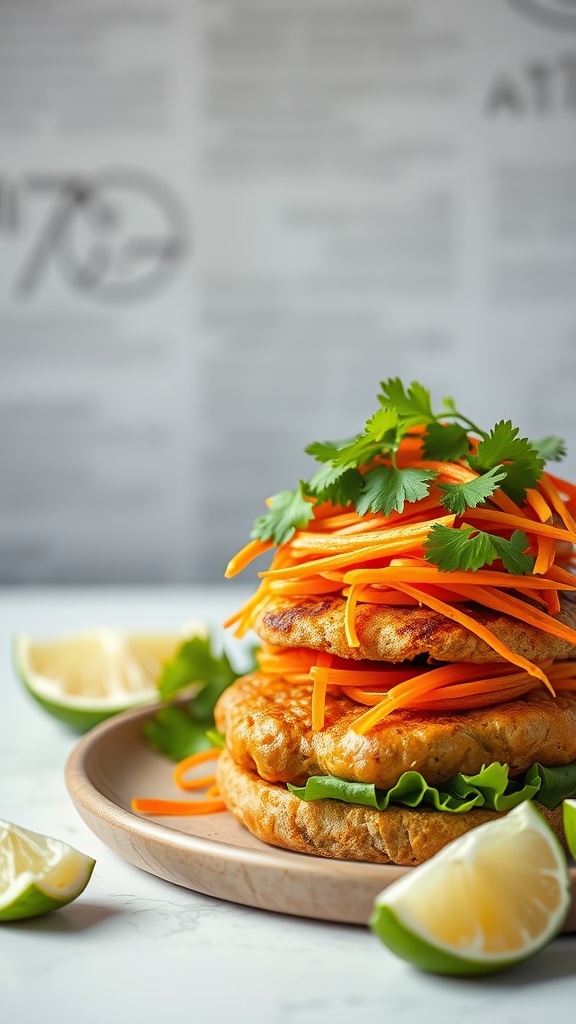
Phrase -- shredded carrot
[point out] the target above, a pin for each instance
(192, 761)
(349, 616)
(392, 575)
(392, 541)
(541, 507)
(159, 807)
(504, 519)
(319, 690)
(210, 805)
(248, 553)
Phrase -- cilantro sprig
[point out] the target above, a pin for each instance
(364, 472)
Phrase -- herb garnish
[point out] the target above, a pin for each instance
(363, 472)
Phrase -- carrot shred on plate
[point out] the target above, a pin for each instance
(158, 807)
(211, 804)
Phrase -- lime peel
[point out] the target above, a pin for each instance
(38, 873)
(569, 821)
(490, 899)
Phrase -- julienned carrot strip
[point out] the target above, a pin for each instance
(472, 695)
(505, 503)
(559, 575)
(500, 687)
(370, 679)
(310, 586)
(566, 487)
(538, 502)
(497, 645)
(551, 492)
(545, 552)
(242, 617)
(377, 594)
(350, 616)
(346, 521)
(192, 761)
(503, 520)
(392, 575)
(449, 471)
(210, 805)
(159, 807)
(319, 692)
(434, 687)
(297, 657)
(396, 540)
(519, 609)
(246, 555)
(388, 538)
(552, 602)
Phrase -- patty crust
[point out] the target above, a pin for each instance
(268, 729)
(402, 633)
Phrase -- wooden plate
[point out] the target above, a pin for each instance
(211, 854)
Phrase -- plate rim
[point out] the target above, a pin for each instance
(107, 819)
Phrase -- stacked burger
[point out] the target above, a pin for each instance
(417, 623)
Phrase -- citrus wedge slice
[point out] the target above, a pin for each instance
(488, 900)
(38, 873)
(569, 821)
(86, 677)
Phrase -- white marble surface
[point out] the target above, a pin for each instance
(136, 948)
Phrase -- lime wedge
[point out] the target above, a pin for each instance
(84, 678)
(569, 819)
(488, 900)
(38, 873)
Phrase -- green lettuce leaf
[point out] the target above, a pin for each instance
(490, 788)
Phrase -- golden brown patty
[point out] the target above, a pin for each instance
(330, 828)
(403, 633)
(268, 730)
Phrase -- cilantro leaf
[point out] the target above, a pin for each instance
(502, 444)
(195, 662)
(336, 484)
(289, 511)
(459, 497)
(325, 451)
(452, 548)
(521, 460)
(519, 476)
(512, 553)
(363, 472)
(447, 442)
(551, 449)
(413, 404)
(466, 548)
(180, 729)
(176, 732)
(386, 489)
(364, 447)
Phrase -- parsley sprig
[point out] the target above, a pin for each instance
(362, 472)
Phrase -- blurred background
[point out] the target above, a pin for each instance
(224, 222)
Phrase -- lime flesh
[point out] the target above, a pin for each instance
(86, 677)
(38, 873)
(490, 899)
